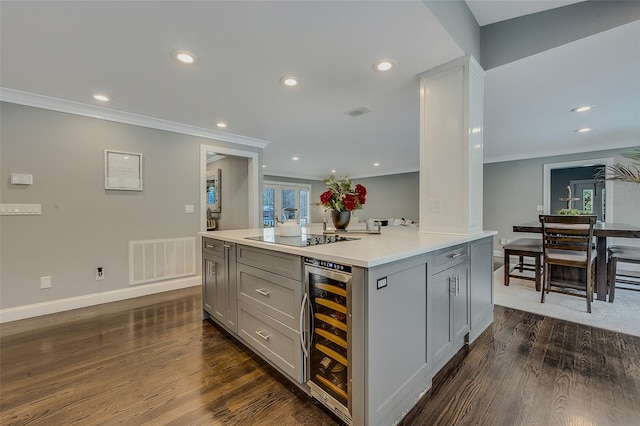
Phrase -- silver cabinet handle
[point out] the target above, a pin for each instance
(458, 285)
(227, 246)
(263, 291)
(264, 335)
(303, 339)
(454, 255)
(452, 284)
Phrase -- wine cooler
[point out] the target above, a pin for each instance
(328, 340)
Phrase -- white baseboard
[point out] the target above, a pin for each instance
(45, 308)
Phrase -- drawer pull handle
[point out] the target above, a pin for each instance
(453, 256)
(263, 291)
(262, 334)
(209, 246)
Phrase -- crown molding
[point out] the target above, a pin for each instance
(70, 107)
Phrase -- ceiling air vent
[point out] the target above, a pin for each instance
(358, 111)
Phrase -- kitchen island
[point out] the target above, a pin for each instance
(404, 304)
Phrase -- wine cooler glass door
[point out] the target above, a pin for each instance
(330, 350)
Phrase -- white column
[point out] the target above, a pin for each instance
(451, 102)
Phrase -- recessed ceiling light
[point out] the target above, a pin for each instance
(295, 158)
(221, 125)
(333, 171)
(184, 56)
(289, 81)
(101, 98)
(376, 164)
(384, 65)
(264, 165)
(581, 108)
(583, 130)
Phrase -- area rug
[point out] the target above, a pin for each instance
(623, 315)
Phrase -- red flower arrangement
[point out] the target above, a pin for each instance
(341, 196)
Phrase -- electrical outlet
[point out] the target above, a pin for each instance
(45, 282)
(99, 273)
(503, 241)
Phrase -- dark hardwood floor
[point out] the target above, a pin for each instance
(153, 361)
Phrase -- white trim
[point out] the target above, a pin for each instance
(253, 177)
(54, 306)
(608, 186)
(498, 253)
(61, 105)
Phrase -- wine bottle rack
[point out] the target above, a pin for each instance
(331, 339)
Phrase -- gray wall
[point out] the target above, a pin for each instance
(513, 189)
(82, 225)
(517, 38)
(235, 193)
(387, 196)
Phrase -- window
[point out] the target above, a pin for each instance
(587, 201)
(276, 196)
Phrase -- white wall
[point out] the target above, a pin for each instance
(82, 225)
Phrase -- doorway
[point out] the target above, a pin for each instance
(587, 194)
(253, 178)
(280, 195)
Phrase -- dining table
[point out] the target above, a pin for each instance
(602, 231)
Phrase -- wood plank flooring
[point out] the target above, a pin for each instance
(152, 360)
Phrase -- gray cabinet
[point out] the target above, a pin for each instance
(449, 291)
(219, 282)
(398, 366)
(481, 291)
(269, 294)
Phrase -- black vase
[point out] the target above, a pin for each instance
(340, 219)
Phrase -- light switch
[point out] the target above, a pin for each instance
(21, 179)
(189, 208)
(434, 205)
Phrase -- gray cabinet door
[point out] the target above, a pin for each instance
(231, 298)
(481, 296)
(460, 314)
(219, 282)
(449, 293)
(441, 307)
(213, 274)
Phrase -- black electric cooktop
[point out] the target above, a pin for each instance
(303, 240)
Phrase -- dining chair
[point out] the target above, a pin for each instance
(528, 250)
(621, 254)
(567, 241)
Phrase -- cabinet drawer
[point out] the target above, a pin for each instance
(450, 256)
(276, 296)
(275, 341)
(215, 247)
(284, 264)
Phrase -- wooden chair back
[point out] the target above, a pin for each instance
(567, 241)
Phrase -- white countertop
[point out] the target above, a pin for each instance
(394, 243)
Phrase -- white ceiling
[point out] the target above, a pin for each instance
(71, 50)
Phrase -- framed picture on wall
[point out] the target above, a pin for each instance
(122, 171)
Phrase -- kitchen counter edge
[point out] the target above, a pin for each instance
(367, 252)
